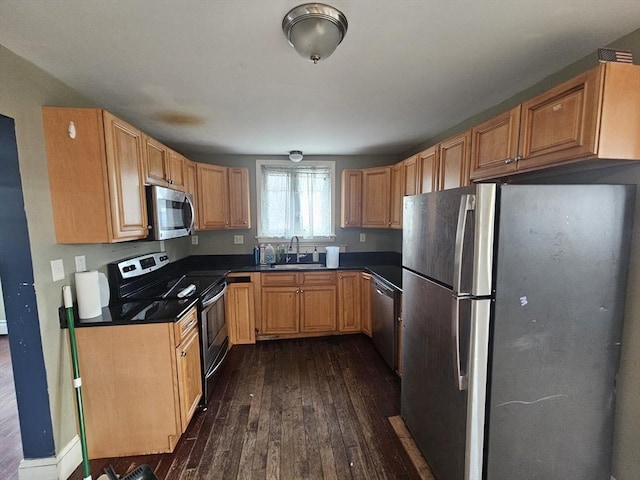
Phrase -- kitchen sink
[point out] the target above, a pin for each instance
(297, 266)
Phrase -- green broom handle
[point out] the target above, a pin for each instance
(77, 381)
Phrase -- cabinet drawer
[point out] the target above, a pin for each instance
(280, 278)
(317, 278)
(187, 323)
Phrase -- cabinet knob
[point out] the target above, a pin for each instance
(183, 354)
(301, 291)
(508, 161)
(518, 158)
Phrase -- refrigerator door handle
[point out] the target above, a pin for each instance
(460, 377)
(467, 204)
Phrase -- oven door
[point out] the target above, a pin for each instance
(215, 343)
(171, 213)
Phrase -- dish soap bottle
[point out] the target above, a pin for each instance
(269, 255)
(316, 255)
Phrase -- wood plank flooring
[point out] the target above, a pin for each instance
(290, 409)
(10, 440)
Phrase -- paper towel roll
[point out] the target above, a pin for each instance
(88, 294)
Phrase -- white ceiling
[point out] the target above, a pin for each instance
(406, 70)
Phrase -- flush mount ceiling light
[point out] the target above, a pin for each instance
(314, 30)
(295, 156)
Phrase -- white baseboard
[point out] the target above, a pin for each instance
(59, 467)
(3, 327)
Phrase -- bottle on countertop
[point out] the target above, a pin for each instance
(269, 255)
(262, 254)
(316, 255)
(256, 255)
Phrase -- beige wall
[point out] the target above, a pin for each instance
(221, 242)
(24, 88)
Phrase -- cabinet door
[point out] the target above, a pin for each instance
(213, 197)
(365, 290)
(494, 145)
(123, 145)
(318, 308)
(561, 123)
(428, 170)
(189, 376)
(239, 214)
(240, 313)
(376, 192)
(351, 208)
(280, 307)
(176, 175)
(191, 186)
(155, 162)
(349, 301)
(454, 161)
(397, 193)
(410, 173)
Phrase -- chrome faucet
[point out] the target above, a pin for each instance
(298, 256)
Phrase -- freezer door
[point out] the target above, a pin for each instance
(561, 270)
(432, 404)
(448, 237)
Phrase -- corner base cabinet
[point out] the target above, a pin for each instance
(141, 385)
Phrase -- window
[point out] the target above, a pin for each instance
(295, 199)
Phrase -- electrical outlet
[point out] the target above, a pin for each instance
(238, 239)
(194, 239)
(57, 270)
(363, 237)
(81, 263)
(162, 245)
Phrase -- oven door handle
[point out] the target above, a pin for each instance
(216, 298)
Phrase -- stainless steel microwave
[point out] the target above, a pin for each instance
(171, 213)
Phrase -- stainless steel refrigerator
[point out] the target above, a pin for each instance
(512, 307)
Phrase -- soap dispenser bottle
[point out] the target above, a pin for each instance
(316, 255)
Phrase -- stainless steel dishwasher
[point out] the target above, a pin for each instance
(383, 318)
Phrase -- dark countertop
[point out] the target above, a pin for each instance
(383, 265)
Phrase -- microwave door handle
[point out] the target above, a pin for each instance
(467, 204)
(192, 213)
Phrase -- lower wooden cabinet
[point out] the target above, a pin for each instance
(365, 288)
(298, 303)
(349, 301)
(140, 384)
(240, 311)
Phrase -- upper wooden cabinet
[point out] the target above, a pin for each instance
(223, 197)
(396, 195)
(96, 176)
(239, 212)
(411, 174)
(351, 205)
(594, 115)
(454, 158)
(428, 170)
(162, 165)
(494, 145)
(376, 194)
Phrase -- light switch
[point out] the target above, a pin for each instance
(238, 239)
(81, 263)
(194, 239)
(57, 270)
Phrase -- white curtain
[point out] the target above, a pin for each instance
(296, 200)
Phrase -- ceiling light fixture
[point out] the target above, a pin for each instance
(295, 156)
(314, 30)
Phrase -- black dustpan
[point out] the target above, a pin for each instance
(143, 472)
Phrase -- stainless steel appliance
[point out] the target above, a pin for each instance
(383, 321)
(513, 298)
(171, 213)
(149, 288)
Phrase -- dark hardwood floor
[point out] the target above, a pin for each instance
(290, 409)
(10, 440)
